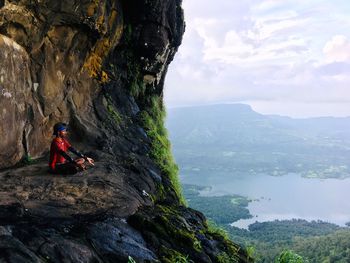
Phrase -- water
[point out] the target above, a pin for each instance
(285, 197)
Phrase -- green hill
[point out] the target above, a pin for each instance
(234, 138)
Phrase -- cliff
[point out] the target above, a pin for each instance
(98, 65)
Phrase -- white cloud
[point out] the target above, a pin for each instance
(261, 41)
(269, 28)
(269, 51)
(337, 49)
(267, 5)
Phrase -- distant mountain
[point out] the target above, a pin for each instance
(234, 138)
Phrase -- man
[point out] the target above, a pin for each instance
(60, 161)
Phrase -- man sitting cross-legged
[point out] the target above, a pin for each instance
(60, 161)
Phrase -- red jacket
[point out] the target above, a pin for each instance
(58, 145)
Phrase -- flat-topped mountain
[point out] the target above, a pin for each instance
(234, 138)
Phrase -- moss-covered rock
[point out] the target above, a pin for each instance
(100, 66)
(177, 232)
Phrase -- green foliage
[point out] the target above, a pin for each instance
(315, 241)
(153, 122)
(152, 115)
(270, 238)
(131, 260)
(197, 245)
(224, 258)
(213, 228)
(182, 259)
(128, 33)
(135, 77)
(28, 160)
(220, 209)
(113, 113)
(173, 256)
(134, 72)
(334, 247)
(137, 88)
(218, 232)
(289, 257)
(285, 230)
(251, 252)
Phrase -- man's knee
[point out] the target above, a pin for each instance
(80, 160)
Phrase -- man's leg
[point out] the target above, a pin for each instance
(80, 163)
(66, 168)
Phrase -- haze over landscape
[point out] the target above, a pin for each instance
(259, 119)
(261, 175)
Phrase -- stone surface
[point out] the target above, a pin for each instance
(15, 91)
(98, 65)
(102, 189)
(59, 58)
(116, 241)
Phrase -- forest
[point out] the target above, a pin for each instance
(314, 242)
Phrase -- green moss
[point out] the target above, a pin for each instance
(225, 258)
(173, 256)
(169, 225)
(131, 260)
(127, 34)
(28, 160)
(197, 245)
(113, 113)
(251, 252)
(187, 238)
(137, 88)
(214, 229)
(231, 250)
(161, 193)
(153, 122)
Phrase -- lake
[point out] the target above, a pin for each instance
(284, 197)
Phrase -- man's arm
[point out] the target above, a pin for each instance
(66, 156)
(76, 152)
(89, 160)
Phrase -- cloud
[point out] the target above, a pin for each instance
(335, 68)
(263, 38)
(337, 49)
(267, 5)
(274, 52)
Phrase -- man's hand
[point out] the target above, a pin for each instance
(90, 160)
(80, 164)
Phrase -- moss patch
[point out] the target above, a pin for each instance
(153, 122)
(114, 115)
(169, 233)
(111, 30)
(173, 256)
(225, 258)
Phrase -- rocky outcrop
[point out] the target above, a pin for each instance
(98, 65)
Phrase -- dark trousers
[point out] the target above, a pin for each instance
(65, 168)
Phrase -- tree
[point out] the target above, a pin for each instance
(290, 257)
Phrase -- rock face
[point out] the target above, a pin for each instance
(98, 65)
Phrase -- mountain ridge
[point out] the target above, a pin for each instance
(239, 139)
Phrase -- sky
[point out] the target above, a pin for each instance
(286, 57)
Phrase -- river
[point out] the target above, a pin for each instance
(284, 197)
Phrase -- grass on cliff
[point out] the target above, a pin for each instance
(152, 115)
(153, 122)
